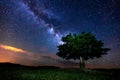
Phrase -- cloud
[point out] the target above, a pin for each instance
(10, 48)
(16, 55)
(12, 54)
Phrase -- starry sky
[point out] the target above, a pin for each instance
(30, 30)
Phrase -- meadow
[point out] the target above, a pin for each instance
(24, 73)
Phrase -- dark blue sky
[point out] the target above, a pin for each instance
(38, 25)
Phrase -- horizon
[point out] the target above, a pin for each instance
(62, 67)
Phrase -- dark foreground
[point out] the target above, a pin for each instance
(41, 73)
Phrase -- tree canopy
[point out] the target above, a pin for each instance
(83, 45)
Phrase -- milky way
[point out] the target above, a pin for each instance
(37, 26)
(44, 17)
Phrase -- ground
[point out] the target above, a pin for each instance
(24, 73)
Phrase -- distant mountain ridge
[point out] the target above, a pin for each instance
(7, 64)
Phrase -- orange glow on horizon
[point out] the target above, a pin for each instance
(14, 49)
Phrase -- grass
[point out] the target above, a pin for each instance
(54, 74)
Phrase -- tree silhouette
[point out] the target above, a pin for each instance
(81, 46)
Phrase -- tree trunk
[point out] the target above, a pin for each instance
(82, 63)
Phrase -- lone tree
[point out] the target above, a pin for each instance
(82, 47)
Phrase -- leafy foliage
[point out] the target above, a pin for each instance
(83, 45)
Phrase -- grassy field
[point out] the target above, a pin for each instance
(10, 71)
(21, 73)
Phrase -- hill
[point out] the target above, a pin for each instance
(12, 65)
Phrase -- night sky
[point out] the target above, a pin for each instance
(30, 30)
